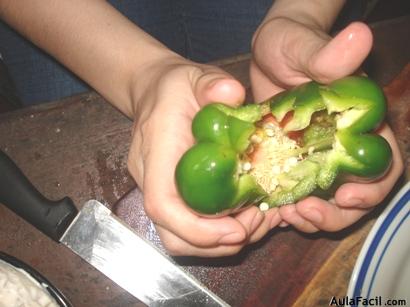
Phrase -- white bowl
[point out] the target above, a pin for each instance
(382, 271)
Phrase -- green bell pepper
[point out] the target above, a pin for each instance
(284, 149)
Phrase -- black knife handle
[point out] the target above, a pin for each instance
(20, 196)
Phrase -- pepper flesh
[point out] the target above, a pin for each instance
(335, 122)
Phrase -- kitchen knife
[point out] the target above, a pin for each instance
(103, 240)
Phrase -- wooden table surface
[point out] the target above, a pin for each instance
(78, 147)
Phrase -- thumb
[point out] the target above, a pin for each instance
(214, 85)
(341, 56)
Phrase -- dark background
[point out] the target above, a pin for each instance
(377, 12)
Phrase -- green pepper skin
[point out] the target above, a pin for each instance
(372, 153)
(219, 124)
(208, 175)
(337, 123)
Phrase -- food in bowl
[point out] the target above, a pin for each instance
(20, 289)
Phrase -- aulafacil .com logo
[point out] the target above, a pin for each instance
(362, 301)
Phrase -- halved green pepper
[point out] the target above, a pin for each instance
(242, 156)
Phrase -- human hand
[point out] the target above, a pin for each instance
(166, 97)
(287, 53)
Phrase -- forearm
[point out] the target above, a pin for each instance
(90, 38)
(317, 13)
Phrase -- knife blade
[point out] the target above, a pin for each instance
(100, 238)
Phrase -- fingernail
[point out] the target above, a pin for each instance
(353, 202)
(232, 238)
(256, 221)
(314, 216)
(283, 224)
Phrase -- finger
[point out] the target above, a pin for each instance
(328, 217)
(135, 163)
(339, 57)
(198, 230)
(250, 218)
(214, 85)
(262, 86)
(290, 215)
(271, 220)
(365, 195)
(178, 247)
